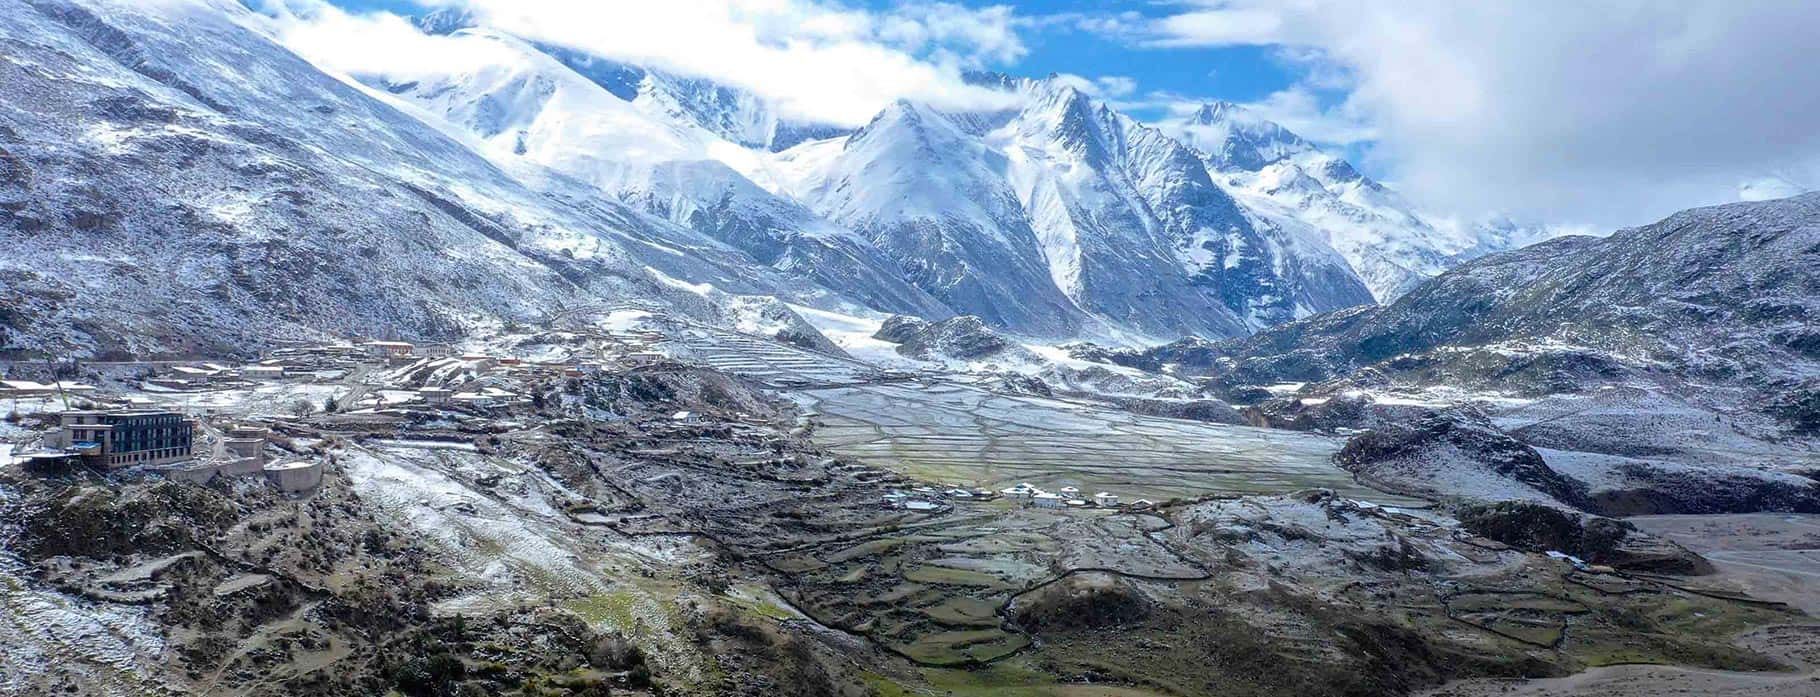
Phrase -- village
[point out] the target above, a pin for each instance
(196, 421)
(644, 481)
(599, 442)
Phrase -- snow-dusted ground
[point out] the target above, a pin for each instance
(515, 545)
(1653, 425)
(274, 399)
(941, 428)
(961, 434)
(107, 645)
(853, 333)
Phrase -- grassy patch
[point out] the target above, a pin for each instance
(961, 647)
(941, 575)
(609, 609)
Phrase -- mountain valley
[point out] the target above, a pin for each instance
(552, 373)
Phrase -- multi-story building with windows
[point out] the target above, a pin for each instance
(126, 438)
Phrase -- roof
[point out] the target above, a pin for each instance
(389, 344)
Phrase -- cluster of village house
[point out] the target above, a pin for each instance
(163, 442)
(922, 498)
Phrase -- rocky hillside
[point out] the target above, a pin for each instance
(1725, 294)
(1282, 177)
(1669, 368)
(176, 183)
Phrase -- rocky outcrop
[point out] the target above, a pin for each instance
(1081, 601)
(1208, 410)
(1455, 453)
(1541, 528)
(1651, 489)
(963, 338)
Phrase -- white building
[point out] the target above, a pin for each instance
(1106, 500)
(1020, 491)
(1046, 500)
(15, 389)
(388, 349)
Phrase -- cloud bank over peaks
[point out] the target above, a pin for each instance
(814, 60)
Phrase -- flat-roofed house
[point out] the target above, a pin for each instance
(296, 476)
(389, 349)
(435, 395)
(263, 372)
(19, 389)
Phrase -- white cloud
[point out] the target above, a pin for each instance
(815, 59)
(379, 44)
(1765, 188)
(1299, 110)
(1218, 26)
(1109, 87)
(1610, 112)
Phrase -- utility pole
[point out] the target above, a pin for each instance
(50, 366)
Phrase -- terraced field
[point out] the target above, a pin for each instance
(941, 429)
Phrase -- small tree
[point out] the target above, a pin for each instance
(330, 406)
(302, 408)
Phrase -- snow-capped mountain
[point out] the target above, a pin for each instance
(929, 192)
(1285, 178)
(1066, 202)
(1059, 219)
(176, 182)
(210, 173)
(668, 146)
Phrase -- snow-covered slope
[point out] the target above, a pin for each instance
(1282, 177)
(1064, 217)
(174, 181)
(667, 146)
(170, 160)
(932, 194)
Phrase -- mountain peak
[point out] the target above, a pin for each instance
(446, 20)
(1216, 111)
(1236, 137)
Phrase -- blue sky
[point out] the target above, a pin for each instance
(1054, 40)
(1557, 111)
(1235, 73)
